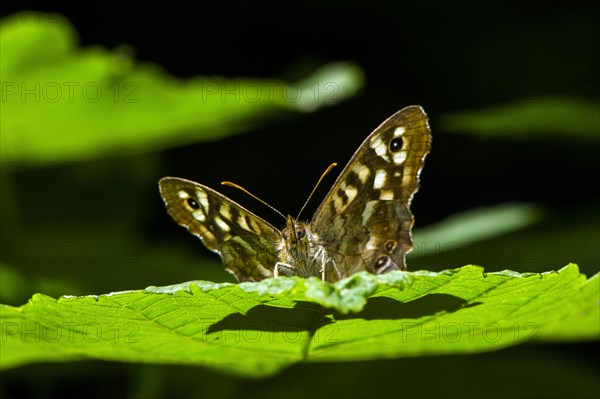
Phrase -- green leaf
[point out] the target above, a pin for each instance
(535, 118)
(62, 103)
(256, 329)
(526, 236)
(476, 225)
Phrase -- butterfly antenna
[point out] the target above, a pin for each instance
(333, 165)
(228, 183)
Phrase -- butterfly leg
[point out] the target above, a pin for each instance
(339, 274)
(321, 259)
(324, 261)
(335, 268)
(288, 270)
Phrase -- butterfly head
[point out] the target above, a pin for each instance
(298, 243)
(295, 232)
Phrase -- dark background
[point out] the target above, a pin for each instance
(445, 56)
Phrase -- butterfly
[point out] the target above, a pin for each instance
(364, 222)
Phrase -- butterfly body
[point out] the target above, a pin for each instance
(301, 252)
(364, 222)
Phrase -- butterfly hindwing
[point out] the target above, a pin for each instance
(365, 220)
(246, 243)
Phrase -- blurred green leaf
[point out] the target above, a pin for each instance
(537, 118)
(256, 329)
(13, 284)
(61, 102)
(530, 238)
(476, 225)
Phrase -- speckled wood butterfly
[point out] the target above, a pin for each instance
(364, 223)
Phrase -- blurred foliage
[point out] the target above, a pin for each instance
(63, 103)
(530, 119)
(475, 226)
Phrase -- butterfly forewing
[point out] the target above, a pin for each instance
(365, 221)
(246, 243)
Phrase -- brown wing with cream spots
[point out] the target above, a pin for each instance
(246, 243)
(365, 221)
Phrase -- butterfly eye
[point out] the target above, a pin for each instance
(192, 203)
(300, 234)
(381, 262)
(396, 144)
